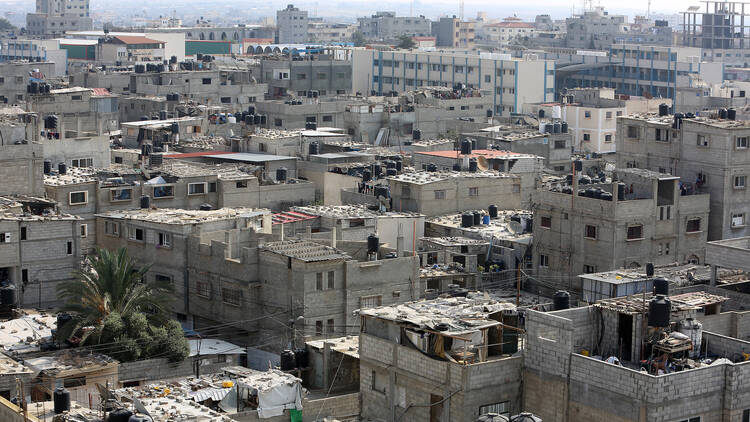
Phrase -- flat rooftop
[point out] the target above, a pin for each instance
(305, 250)
(23, 334)
(486, 153)
(499, 228)
(705, 120)
(248, 157)
(454, 241)
(348, 345)
(68, 362)
(425, 177)
(453, 316)
(182, 217)
(9, 366)
(286, 217)
(161, 123)
(680, 303)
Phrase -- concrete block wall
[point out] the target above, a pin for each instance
(155, 369)
(725, 346)
(9, 412)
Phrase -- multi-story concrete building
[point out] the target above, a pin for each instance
(595, 29)
(470, 368)
(387, 26)
(34, 50)
(129, 49)
(327, 74)
(52, 18)
(289, 115)
(511, 83)
(453, 32)
(710, 155)
(436, 193)
(509, 31)
(327, 32)
(16, 76)
(644, 217)
(39, 248)
(291, 26)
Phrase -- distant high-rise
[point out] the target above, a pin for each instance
(291, 25)
(53, 17)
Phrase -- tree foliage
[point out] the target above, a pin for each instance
(5, 25)
(358, 39)
(112, 303)
(405, 42)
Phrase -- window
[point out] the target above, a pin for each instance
(502, 409)
(206, 81)
(69, 247)
(164, 240)
(73, 382)
(405, 192)
(328, 118)
(196, 188)
(83, 162)
(277, 122)
(212, 187)
(319, 281)
(633, 132)
(695, 419)
(741, 142)
(693, 225)
(135, 233)
(78, 198)
(84, 230)
(473, 191)
(608, 115)
(702, 141)
(370, 301)
(164, 191)
(608, 138)
(241, 184)
(117, 195)
(586, 137)
(301, 76)
(321, 76)
(546, 222)
(23, 233)
(543, 261)
(231, 296)
(587, 114)
(25, 275)
(662, 135)
(318, 328)
(589, 269)
(5, 237)
(203, 289)
(740, 182)
(331, 279)
(738, 220)
(439, 194)
(635, 232)
(590, 232)
(331, 326)
(111, 228)
(226, 100)
(746, 415)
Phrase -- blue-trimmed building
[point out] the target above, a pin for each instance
(511, 82)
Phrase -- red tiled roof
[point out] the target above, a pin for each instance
(101, 92)
(291, 217)
(197, 154)
(487, 153)
(134, 39)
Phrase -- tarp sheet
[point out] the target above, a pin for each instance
(274, 401)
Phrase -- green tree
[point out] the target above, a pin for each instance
(111, 302)
(405, 42)
(6, 26)
(358, 39)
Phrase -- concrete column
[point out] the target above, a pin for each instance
(714, 274)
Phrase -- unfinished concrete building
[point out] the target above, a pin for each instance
(600, 362)
(39, 248)
(16, 76)
(437, 193)
(312, 75)
(450, 359)
(709, 154)
(637, 216)
(21, 160)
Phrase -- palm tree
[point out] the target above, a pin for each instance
(111, 283)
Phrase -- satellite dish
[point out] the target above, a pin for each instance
(482, 163)
(515, 227)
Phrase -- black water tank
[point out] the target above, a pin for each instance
(732, 114)
(256, 119)
(432, 168)
(465, 147)
(390, 164)
(578, 165)
(663, 109)
(467, 220)
(561, 300)
(313, 148)
(8, 295)
(145, 202)
(541, 113)
(377, 169)
(473, 144)
(136, 418)
(416, 134)
(249, 119)
(493, 417)
(606, 196)
(373, 242)
(288, 360)
(476, 218)
(139, 68)
(381, 191)
(722, 113)
(302, 357)
(473, 165)
(493, 211)
(61, 398)
(63, 319)
(62, 168)
(391, 172)
(399, 165)
(175, 128)
(661, 286)
(366, 175)
(281, 174)
(649, 269)
(564, 127)
(556, 127)
(525, 417)
(47, 166)
(119, 415)
(162, 115)
(251, 109)
(659, 311)
(621, 191)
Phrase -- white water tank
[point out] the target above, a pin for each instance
(556, 112)
(694, 330)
